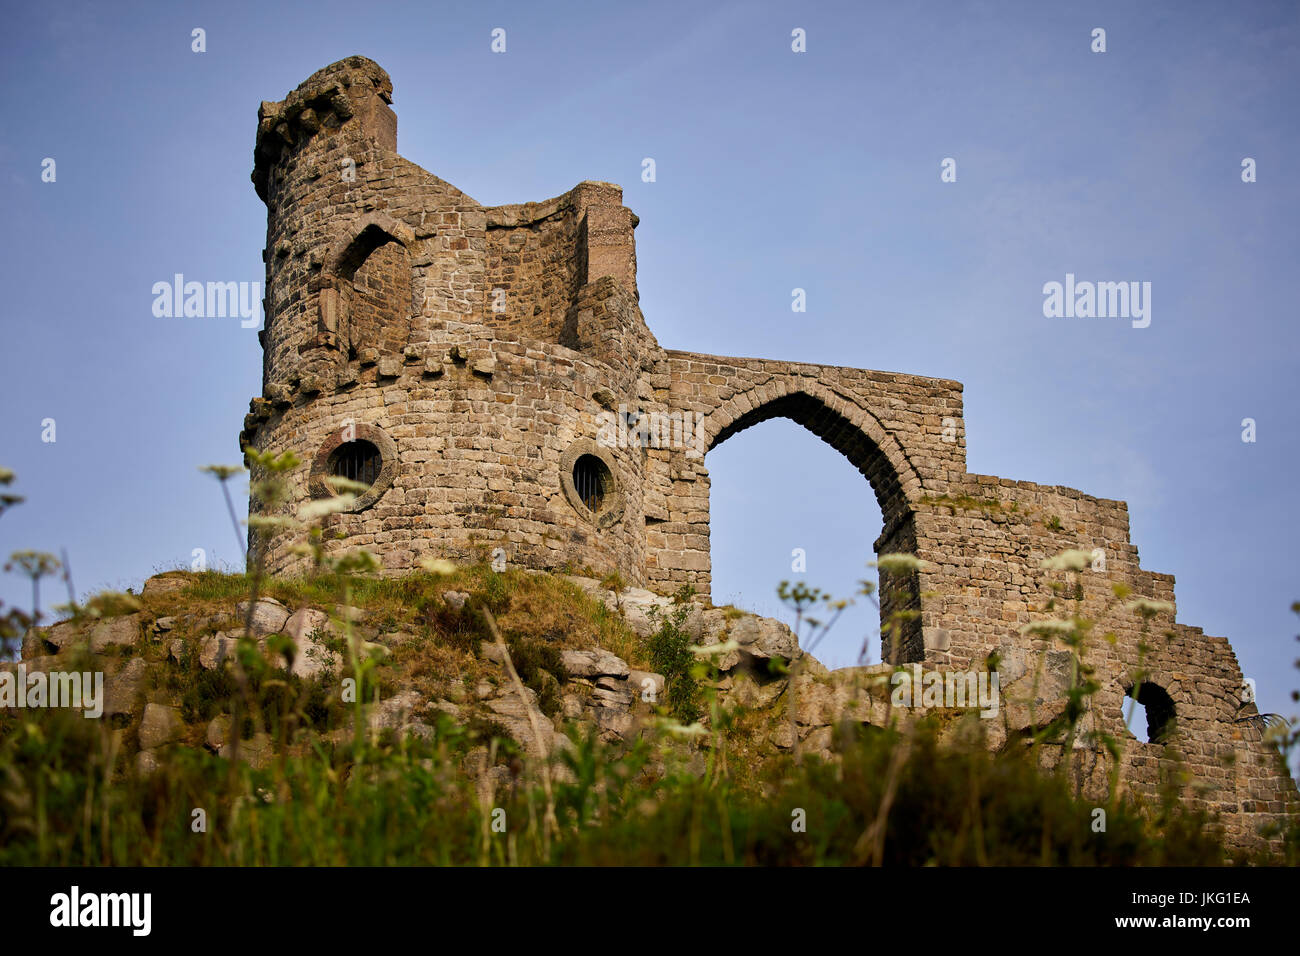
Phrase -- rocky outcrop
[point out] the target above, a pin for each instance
(789, 700)
(594, 663)
(160, 726)
(267, 616)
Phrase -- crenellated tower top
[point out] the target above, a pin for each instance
(353, 90)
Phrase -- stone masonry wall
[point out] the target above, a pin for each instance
(489, 353)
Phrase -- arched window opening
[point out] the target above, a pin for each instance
(374, 282)
(1149, 713)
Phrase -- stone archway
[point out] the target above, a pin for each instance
(843, 424)
(849, 428)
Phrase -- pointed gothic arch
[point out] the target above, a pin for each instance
(858, 435)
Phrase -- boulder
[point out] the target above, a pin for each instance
(36, 643)
(218, 733)
(215, 649)
(269, 616)
(614, 722)
(764, 637)
(642, 610)
(312, 657)
(350, 614)
(161, 725)
(646, 686)
(594, 663)
(511, 711)
(714, 625)
(121, 631)
(782, 737)
(257, 752)
(57, 636)
(305, 623)
(166, 583)
(754, 695)
(816, 703)
(124, 691)
(818, 742)
(509, 704)
(844, 695)
(446, 707)
(395, 712)
(612, 692)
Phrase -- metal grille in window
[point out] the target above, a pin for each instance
(591, 481)
(357, 461)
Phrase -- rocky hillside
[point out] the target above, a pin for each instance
(469, 716)
(416, 648)
(583, 651)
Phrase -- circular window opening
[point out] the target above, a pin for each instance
(592, 481)
(357, 461)
(360, 453)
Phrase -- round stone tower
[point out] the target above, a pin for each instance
(467, 363)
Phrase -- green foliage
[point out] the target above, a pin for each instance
(540, 667)
(495, 594)
(13, 622)
(459, 627)
(390, 802)
(669, 652)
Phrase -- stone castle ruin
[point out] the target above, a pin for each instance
(487, 372)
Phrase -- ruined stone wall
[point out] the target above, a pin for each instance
(327, 167)
(984, 541)
(485, 353)
(541, 254)
(992, 537)
(531, 272)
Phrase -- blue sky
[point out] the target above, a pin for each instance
(775, 170)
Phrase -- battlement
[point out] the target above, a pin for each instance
(354, 90)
